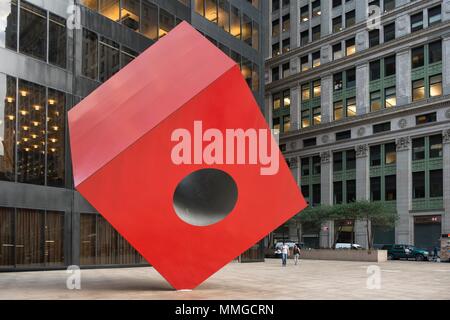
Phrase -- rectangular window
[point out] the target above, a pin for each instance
(276, 49)
(390, 97)
(304, 38)
(286, 45)
(350, 47)
(306, 92)
(418, 185)
(350, 78)
(417, 22)
(316, 33)
(337, 192)
(223, 19)
(337, 81)
(389, 32)
(375, 156)
(375, 101)
(317, 116)
(286, 123)
(351, 107)
(351, 190)
(381, 127)
(316, 88)
(166, 22)
(375, 188)
(435, 52)
(130, 14)
(338, 110)
(350, 161)
(275, 74)
(375, 70)
(337, 24)
(8, 25)
(7, 127)
(426, 118)
(316, 165)
(56, 138)
(435, 86)
(316, 194)
(337, 51)
(306, 121)
(309, 142)
(436, 183)
(389, 5)
(418, 90)
(389, 66)
(109, 57)
(33, 31)
(31, 133)
(316, 11)
(247, 26)
(343, 135)
(276, 101)
(276, 28)
(276, 124)
(110, 9)
(390, 153)
(90, 54)
(316, 59)
(390, 187)
(436, 146)
(57, 41)
(304, 13)
(418, 146)
(286, 70)
(149, 26)
(350, 19)
(418, 57)
(374, 38)
(304, 63)
(337, 161)
(286, 22)
(287, 99)
(305, 167)
(235, 24)
(434, 15)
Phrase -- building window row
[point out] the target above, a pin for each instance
(231, 19)
(32, 133)
(40, 34)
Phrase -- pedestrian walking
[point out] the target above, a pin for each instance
(284, 254)
(296, 254)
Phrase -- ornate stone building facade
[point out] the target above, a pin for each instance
(363, 103)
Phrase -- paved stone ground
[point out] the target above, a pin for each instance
(309, 280)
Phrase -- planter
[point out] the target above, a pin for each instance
(345, 255)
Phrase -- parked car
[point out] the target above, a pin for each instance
(404, 251)
(353, 246)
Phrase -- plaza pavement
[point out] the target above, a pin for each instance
(308, 280)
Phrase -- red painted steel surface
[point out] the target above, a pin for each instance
(128, 175)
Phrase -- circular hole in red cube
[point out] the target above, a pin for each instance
(205, 197)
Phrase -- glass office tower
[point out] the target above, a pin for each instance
(47, 67)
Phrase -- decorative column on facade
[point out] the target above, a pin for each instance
(446, 10)
(294, 12)
(446, 62)
(404, 86)
(362, 188)
(295, 108)
(326, 98)
(361, 8)
(362, 94)
(325, 18)
(362, 40)
(295, 168)
(402, 25)
(326, 195)
(446, 174)
(404, 226)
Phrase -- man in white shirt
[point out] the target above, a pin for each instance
(284, 254)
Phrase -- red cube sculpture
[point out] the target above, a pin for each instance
(187, 219)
